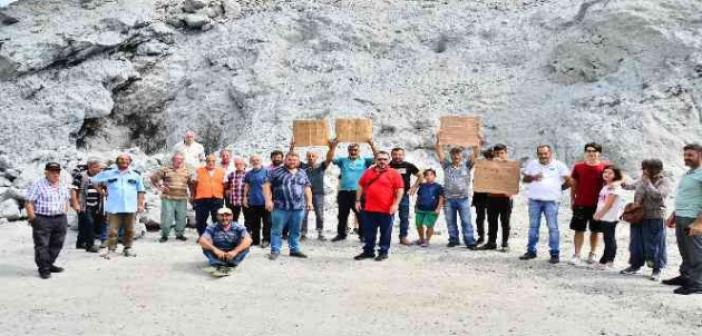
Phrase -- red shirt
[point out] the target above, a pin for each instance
(589, 183)
(380, 194)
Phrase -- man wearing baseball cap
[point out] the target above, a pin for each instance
(47, 204)
(225, 243)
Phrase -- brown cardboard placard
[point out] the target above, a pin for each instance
(311, 132)
(497, 176)
(354, 130)
(460, 131)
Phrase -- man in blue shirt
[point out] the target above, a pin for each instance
(288, 196)
(225, 243)
(687, 221)
(125, 197)
(352, 167)
(255, 214)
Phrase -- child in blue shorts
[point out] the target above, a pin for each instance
(430, 200)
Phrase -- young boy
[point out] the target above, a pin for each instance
(430, 200)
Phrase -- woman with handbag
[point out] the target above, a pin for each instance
(647, 238)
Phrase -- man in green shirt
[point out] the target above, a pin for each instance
(687, 221)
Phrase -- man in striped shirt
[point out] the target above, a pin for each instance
(47, 204)
(173, 182)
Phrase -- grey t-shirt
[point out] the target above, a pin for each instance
(457, 179)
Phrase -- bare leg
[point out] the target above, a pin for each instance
(420, 233)
(430, 232)
(594, 241)
(578, 239)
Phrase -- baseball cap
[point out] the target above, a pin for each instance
(223, 211)
(52, 166)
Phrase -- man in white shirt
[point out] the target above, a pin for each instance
(546, 178)
(193, 151)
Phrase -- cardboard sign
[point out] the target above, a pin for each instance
(311, 132)
(354, 130)
(460, 131)
(497, 177)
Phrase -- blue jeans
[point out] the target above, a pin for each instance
(290, 219)
(403, 213)
(647, 242)
(460, 206)
(318, 204)
(550, 211)
(214, 261)
(374, 222)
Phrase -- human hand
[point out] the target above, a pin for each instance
(670, 222)
(413, 190)
(358, 206)
(269, 206)
(393, 209)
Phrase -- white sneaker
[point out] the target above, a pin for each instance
(605, 267)
(574, 260)
(591, 258)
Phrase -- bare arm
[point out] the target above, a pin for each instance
(440, 205)
(292, 145)
(399, 193)
(417, 182)
(439, 151)
(140, 201)
(330, 152)
(573, 189)
(268, 194)
(475, 153)
(31, 215)
(372, 146)
(359, 194)
(75, 200)
(308, 197)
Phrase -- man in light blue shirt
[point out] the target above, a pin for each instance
(125, 197)
(352, 167)
(687, 221)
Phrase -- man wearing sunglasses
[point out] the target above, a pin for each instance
(352, 167)
(225, 243)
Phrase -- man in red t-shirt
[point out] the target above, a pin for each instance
(587, 183)
(382, 189)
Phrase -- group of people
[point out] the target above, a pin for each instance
(276, 202)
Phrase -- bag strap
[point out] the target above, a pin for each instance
(376, 178)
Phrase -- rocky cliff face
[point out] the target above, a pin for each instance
(100, 74)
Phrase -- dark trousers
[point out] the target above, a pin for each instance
(690, 248)
(480, 204)
(258, 217)
(205, 208)
(374, 222)
(236, 209)
(318, 203)
(498, 209)
(89, 223)
(346, 199)
(48, 233)
(647, 243)
(403, 213)
(610, 241)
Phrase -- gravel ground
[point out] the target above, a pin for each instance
(432, 291)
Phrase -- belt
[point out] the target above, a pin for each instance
(50, 216)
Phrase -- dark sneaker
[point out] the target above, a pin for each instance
(298, 254)
(127, 252)
(472, 247)
(688, 290)
(677, 281)
(452, 244)
(554, 260)
(655, 275)
(92, 249)
(55, 269)
(338, 238)
(303, 237)
(273, 256)
(528, 256)
(265, 244)
(364, 256)
(629, 271)
(480, 240)
(504, 248)
(181, 238)
(321, 237)
(45, 275)
(221, 271)
(163, 240)
(488, 247)
(103, 244)
(381, 257)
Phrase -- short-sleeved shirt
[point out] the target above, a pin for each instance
(617, 207)
(225, 239)
(316, 176)
(590, 182)
(549, 187)
(406, 170)
(688, 199)
(428, 196)
(379, 192)
(288, 188)
(123, 188)
(457, 179)
(351, 171)
(177, 181)
(256, 178)
(193, 154)
(48, 200)
(88, 191)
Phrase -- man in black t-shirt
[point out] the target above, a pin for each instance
(405, 169)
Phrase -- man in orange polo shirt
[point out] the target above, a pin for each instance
(382, 189)
(207, 192)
